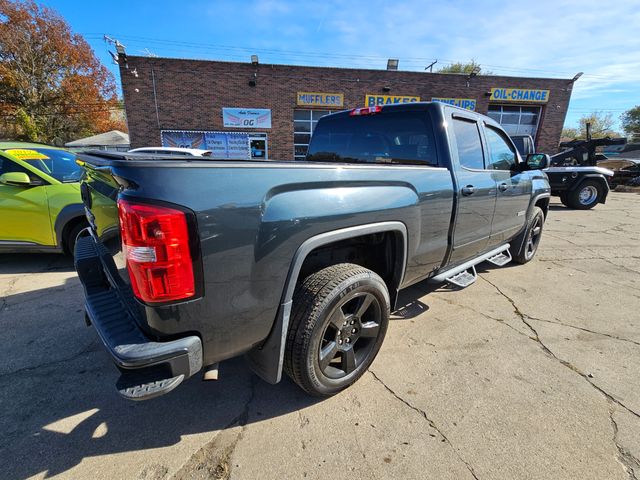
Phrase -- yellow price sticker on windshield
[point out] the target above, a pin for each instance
(23, 154)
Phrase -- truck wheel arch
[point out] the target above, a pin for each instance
(266, 360)
(598, 177)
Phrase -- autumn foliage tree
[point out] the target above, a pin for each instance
(52, 87)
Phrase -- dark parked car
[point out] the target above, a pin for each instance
(298, 264)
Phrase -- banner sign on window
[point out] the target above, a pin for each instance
(373, 100)
(467, 103)
(519, 95)
(246, 117)
(223, 145)
(315, 99)
(183, 139)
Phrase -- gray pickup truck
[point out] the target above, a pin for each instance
(297, 265)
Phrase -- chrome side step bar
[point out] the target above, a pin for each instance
(464, 279)
(459, 275)
(501, 259)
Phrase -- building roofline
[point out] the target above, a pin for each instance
(342, 69)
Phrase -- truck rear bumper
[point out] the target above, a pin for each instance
(148, 368)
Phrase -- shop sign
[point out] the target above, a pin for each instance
(467, 103)
(317, 99)
(371, 100)
(223, 145)
(246, 117)
(499, 94)
(228, 145)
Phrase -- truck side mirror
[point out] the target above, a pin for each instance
(538, 161)
(16, 179)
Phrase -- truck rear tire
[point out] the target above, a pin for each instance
(586, 195)
(339, 320)
(528, 240)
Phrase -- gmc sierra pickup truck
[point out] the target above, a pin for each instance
(297, 265)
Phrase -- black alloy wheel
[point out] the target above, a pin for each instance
(338, 322)
(533, 237)
(350, 334)
(525, 245)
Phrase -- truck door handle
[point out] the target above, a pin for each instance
(468, 190)
(503, 187)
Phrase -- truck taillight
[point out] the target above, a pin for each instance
(365, 111)
(155, 242)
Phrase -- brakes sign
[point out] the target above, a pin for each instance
(23, 154)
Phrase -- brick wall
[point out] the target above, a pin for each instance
(190, 95)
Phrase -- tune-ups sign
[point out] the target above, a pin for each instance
(246, 117)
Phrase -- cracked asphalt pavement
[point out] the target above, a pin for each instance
(532, 372)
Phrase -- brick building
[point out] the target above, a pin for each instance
(260, 110)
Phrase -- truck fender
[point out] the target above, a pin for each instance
(68, 213)
(267, 359)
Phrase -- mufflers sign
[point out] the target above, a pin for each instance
(499, 94)
(319, 99)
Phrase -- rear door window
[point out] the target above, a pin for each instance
(468, 144)
(385, 137)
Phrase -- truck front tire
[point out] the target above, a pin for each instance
(529, 239)
(339, 320)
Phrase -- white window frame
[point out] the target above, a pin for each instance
(493, 108)
(312, 122)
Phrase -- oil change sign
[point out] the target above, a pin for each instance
(373, 100)
(467, 103)
(317, 99)
(499, 94)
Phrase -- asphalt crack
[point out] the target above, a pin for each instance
(213, 460)
(5, 304)
(89, 348)
(525, 319)
(630, 463)
(428, 420)
(603, 334)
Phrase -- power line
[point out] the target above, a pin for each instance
(208, 47)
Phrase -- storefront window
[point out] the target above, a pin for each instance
(516, 120)
(304, 122)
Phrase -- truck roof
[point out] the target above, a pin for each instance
(425, 106)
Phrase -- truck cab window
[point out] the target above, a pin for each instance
(502, 156)
(468, 143)
(394, 138)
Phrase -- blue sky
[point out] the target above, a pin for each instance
(543, 38)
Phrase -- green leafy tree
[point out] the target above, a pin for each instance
(52, 86)
(602, 125)
(569, 132)
(631, 123)
(464, 68)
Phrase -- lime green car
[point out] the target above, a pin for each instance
(40, 205)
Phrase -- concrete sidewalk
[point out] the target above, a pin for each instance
(533, 372)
